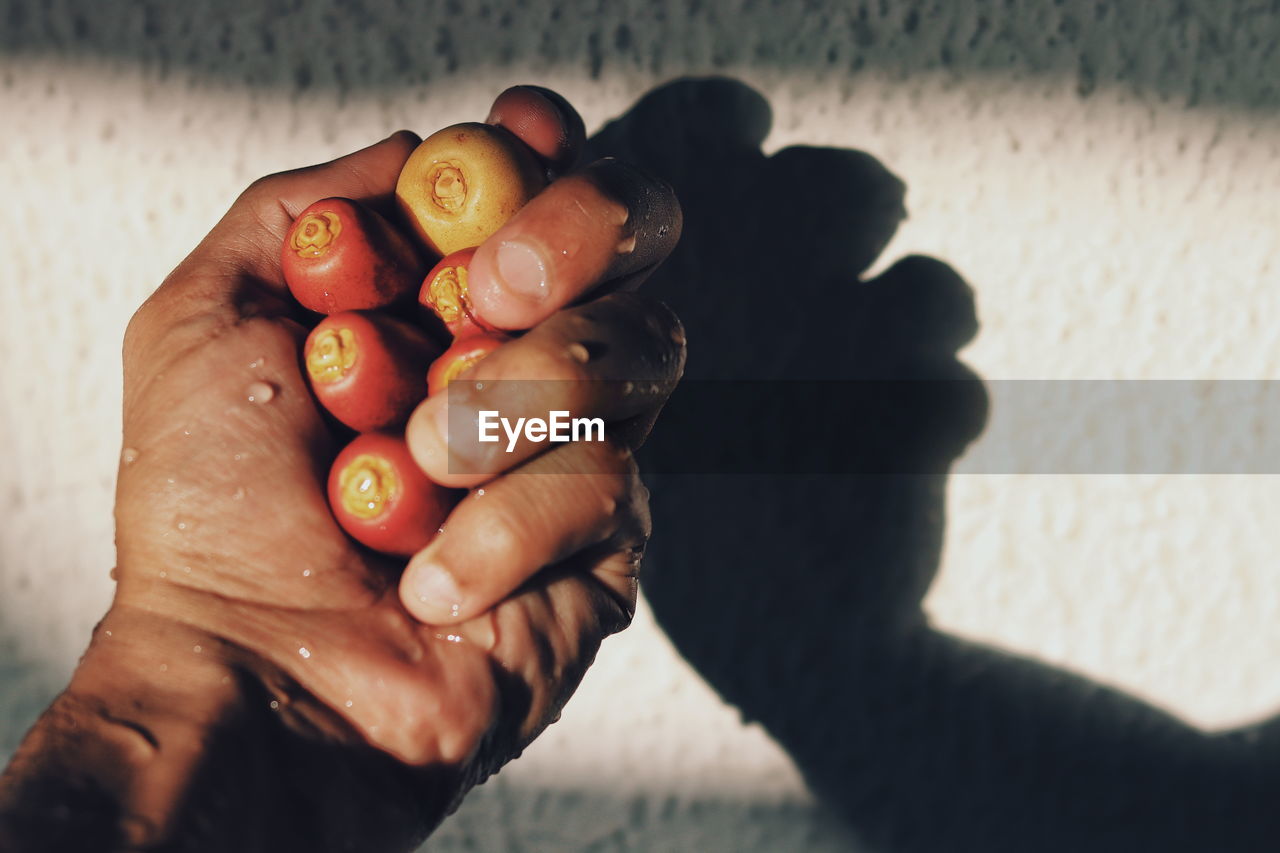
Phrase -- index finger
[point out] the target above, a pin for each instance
(609, 223)
(247, 239)
(235, 271)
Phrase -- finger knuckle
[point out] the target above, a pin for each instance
(665, 337)
(665, 319)
(636, 523)
(553, 358)
(139, 325)
(263, 189)
(612, 496)
(622, 179)
(655, 213)
(613, 458)
(425, 730)
(616, 612)
(624, 505)
(645, 315)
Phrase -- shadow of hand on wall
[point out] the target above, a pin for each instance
(798, 597)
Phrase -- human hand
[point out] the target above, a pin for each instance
(234, 579)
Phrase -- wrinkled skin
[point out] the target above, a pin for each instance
(238, 593)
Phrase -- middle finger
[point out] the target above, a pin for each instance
(611, 359)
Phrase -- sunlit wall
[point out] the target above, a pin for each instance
(1105, 181)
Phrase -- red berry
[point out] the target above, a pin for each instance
(366, 368)
(341, 256)
(465, 353)
(382, 499)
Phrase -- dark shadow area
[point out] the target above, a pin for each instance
(1209, 52)
(504, 816)
(798, 597)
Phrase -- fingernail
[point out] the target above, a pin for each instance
(437, 592)
(542, 94)
(480, 632)
(520, 270)
(550, 97)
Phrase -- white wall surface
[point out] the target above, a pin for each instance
(1105, 180)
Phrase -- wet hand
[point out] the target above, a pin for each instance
(222, 524)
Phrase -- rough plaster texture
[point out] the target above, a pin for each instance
(1103, 176)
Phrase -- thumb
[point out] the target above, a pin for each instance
(247, 239)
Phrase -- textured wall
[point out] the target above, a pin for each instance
(1096, 184)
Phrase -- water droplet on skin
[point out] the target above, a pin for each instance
(306, 573)
(187, 569)
(479, 386)
(260, 392)
(186, 432)
(629, 388)
(274, 705)
(197, 649)
(348, 703)
(305, 652)
(108, 633)
(170, 480)
(238, 494)
(182, 525)
(570, 248)
(129, 456)
(164, 574)
(238, 457)
(481, 632)
(479, 493)
(260, 361)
